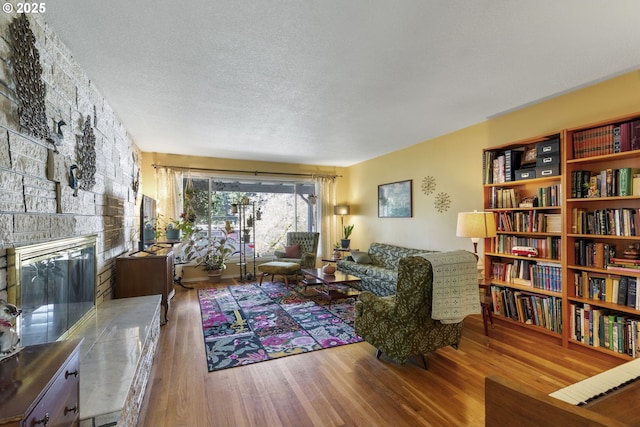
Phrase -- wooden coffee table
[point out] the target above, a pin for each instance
(333, 286)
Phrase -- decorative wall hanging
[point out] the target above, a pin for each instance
(428, 185)
(57, 137)
(135, 177)
(73, 180)
(87, 156)
(394, 200)
(27, 71)
(442, 202)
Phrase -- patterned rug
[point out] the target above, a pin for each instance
(247, 324)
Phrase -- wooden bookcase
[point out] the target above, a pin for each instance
(585, 153)
(528, 213)
(588, 254)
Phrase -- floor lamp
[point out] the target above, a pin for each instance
(476, 225)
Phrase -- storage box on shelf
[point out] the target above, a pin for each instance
(526, 289)
(602, 213)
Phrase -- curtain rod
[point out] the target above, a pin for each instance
(256, 172)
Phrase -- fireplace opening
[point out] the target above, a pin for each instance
(54, 285)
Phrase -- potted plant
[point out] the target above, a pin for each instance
(183, 227)
(345, 242)
(210, 254)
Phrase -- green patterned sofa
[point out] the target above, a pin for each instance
(401, 326)
(378, 271)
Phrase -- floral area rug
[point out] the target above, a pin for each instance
(247, 324)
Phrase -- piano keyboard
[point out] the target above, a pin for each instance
(598, 385)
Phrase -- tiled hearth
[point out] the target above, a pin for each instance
(116, 356)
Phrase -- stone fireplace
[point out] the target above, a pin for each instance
(54, 285)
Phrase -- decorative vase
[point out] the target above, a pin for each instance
(632, 252)
(337, 254)
(329, 269)
(149, 233)
(172, 233)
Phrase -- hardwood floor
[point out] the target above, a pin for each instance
(348, 386)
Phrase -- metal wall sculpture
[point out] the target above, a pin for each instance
(87, 156)
(30, 89)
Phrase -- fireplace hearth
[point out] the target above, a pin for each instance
(54, 285)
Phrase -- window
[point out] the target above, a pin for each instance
(277, 207)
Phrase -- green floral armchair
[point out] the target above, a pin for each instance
(307, 252)
(400, 325)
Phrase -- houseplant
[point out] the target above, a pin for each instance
(345, 242)
(210, 254)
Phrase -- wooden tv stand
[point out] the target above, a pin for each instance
(141, 273)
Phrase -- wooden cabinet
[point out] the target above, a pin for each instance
(525, 285)
(143, 273)
(41, 386)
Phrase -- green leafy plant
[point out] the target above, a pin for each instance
(210, 254)
(348, 229)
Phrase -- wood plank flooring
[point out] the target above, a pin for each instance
(348, 386)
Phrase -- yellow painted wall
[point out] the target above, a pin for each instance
(455, 162)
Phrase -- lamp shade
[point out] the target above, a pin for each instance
(476, 224)
(341, 210)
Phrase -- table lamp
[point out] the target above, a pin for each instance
(476, 225)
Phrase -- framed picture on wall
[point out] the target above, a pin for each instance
(394, 200)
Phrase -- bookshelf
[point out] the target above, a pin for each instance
(602, 217)
(523, 188)
(580, 286)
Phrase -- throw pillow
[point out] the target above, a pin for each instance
(292, 251)
(361, 257)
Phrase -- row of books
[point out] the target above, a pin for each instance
(614, 289)
(500, 167)
(502, 198)
(593, 254)
(606, 222)
(624, 266)
(529, 273)
(547, 247)
(606, 139)
(528, 222)
(602, 328)
(606, 183)
(529, 308)
(550, 195)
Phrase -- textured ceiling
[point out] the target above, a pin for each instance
(334, 82)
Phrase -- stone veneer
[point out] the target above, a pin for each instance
(36, 202)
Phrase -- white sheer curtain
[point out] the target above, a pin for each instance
(169, 193)
(326, 192)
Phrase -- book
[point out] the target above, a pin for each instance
(631, 292)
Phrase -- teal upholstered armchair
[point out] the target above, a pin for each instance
(400, 325)
(302, 248)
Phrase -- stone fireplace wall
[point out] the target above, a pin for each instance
(37, 203)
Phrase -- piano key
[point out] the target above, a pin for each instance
(599, 384)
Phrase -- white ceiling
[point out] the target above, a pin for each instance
(335, 82)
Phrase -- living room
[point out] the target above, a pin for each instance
(40, 205)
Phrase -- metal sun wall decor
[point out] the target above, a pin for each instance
(428, 185)
(87, 156)
(30, 88)
(442, 201)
